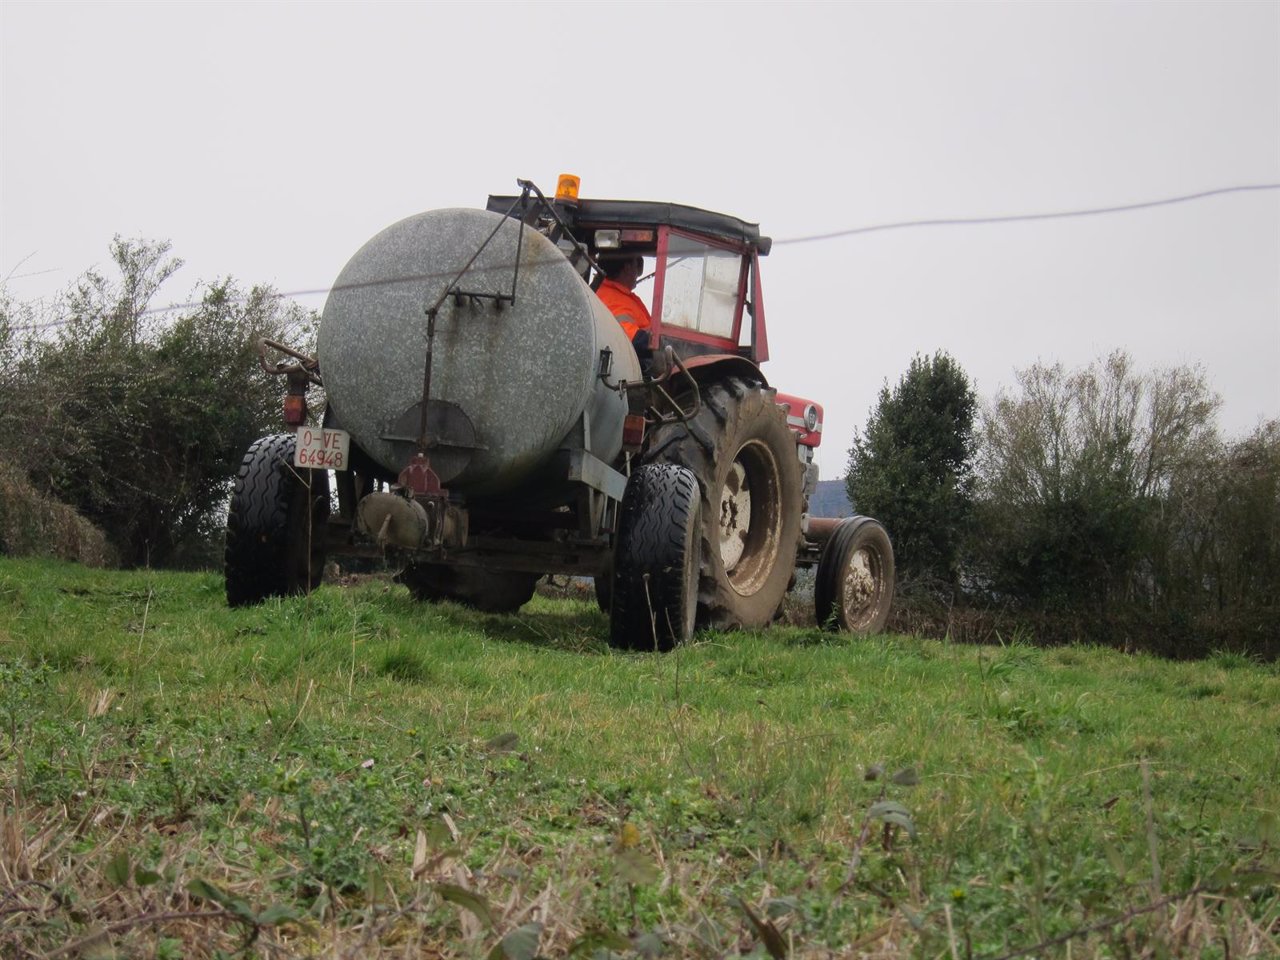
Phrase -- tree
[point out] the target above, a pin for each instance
(912, 467)
(139, 419)
(20, 324)
(1222, 527)
(1076, 469)
(1249, 545)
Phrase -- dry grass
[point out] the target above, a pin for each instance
(62, 900)
(33, 525)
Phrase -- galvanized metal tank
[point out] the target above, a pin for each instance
(509, 382)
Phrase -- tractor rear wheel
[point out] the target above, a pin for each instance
(275, 525)
(853, 589)
(655, 564)
(744, 456)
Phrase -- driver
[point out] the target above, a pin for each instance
(622, 273)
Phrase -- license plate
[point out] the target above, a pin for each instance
(322, 449)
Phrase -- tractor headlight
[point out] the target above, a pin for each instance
(810, 417)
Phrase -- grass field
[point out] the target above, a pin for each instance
(353, 774)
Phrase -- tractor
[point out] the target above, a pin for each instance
(486, 421)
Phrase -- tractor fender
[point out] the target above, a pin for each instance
(717, 366)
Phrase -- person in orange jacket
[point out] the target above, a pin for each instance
(617, 291)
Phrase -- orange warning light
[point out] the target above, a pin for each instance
(567, 187)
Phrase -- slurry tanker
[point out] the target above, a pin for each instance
(486, 421)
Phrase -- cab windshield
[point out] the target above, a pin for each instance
(701, 287)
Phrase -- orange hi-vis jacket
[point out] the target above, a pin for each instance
(626, 307)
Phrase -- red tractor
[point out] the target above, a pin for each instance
(487, 421)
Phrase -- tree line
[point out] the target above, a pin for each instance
(138, 419)
(1101, 503)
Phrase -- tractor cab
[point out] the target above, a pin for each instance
(705, 295)
(704, 289)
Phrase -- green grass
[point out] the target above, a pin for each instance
(355, 774)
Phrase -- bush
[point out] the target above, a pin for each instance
(1076, 472)
(1221, 527)
(138, 420)
(33, 525)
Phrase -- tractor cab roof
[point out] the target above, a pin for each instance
(590, 214)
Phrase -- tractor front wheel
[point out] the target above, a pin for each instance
(275, 525)
(853, 589)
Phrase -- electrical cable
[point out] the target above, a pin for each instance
(810, 238)
(1024, 217)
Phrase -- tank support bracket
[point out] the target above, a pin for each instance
(600, 492)
(596, 474)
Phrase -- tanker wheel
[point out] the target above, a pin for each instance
(853, 589)
(744, 456)
(275, 525)
(490, 591)
(655, 562)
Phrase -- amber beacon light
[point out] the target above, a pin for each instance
(567, 187)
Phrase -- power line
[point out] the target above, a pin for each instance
(1023, 217)
(810, 238)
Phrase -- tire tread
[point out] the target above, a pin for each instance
(660, 503)
(260, 521)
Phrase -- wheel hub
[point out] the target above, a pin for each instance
(750, 518)
(860, 585)
(735, 515)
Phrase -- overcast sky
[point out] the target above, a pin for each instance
(269, 141)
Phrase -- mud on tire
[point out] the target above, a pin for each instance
(744, 456)
(275, 525)
(655, 566)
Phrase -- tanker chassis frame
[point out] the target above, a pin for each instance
(699, 521)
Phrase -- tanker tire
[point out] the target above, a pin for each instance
(853, 588)
(489, 591)
(739, 443)
(274, 543)
(655, 563)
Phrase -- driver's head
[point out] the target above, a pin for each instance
(624, 268)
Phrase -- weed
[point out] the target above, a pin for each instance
(404, 665)
(1232, 660)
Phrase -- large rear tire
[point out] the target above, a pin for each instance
(655, 562)
(853, 589)
(744, 456)
(275, 525)
(490, 591)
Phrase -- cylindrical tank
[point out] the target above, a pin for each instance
(509, 382)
